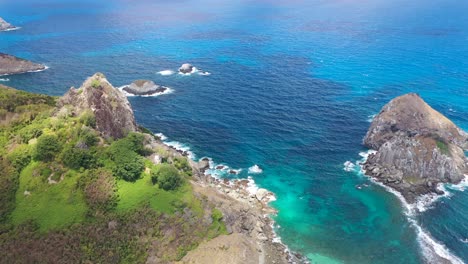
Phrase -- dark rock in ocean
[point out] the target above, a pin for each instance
(5, 26)
(144, 87)
(204, 164)
(186, 68)
(112, 111)
(417, 148)
(14, 65)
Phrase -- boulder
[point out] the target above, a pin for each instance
(144, 87)
(186, 68)
(261, 194)
(204, 164)
(14, 65)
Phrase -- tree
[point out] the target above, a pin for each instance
(167, 177)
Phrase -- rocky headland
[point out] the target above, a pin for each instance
(5, 26)
(13, 65)
(145, 87)
(113, 113)
(250, 236)
(416, 148)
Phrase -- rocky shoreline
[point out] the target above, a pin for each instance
(246, 213)
(416, 148)
(13, 65)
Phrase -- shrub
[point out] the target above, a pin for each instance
(88, 119)
(89, 137)
(100, 190)
(167, 177)
(20, 157)
(47, 147)
(29, 132)
(129, 168)
(182, 164)
(76, 158)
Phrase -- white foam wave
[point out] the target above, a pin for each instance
(167, 91)
(349, 166)
(371, 118)
(11, 29)
(4, 80)
(161, 136)
(194, 70)
(166, 72)
(255, 169)
(432, 250)
(181, 147)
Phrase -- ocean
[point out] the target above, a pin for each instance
(292, 88)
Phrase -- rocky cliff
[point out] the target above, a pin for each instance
(14, 65)
(112, 111)
(4, 26)
(416, 148)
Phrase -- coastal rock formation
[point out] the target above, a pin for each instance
(186, 68)
(144, 87)
(14, 65)
(4, 26)
(112, 111)
(416, 148)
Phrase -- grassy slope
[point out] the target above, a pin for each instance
(61, 212)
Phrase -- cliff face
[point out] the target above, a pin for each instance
(417, 147)
(14, 65)
(113, 113)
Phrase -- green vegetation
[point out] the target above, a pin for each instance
(444, 148)
(95, 83)
(46, 148)
(167, 177)
(63, 184)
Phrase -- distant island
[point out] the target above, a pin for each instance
(5, 26)
(82, 182)
(13, 65)
(417, 148)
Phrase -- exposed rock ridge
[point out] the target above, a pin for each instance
(417, 148)
(14, 65)
(113, 113)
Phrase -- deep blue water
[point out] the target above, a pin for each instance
(293, 85)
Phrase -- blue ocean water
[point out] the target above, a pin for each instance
(292, 87)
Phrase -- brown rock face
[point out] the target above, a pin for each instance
(113, 113)
(417, 148)
(14, 65)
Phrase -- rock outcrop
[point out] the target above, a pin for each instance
(144, 87)
(113, 113)
(14, 65)
(416, 148)
(186, 68)
(5, 26)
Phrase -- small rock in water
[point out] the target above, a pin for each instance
(186, 68)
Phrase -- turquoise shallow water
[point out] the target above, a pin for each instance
(292, 86)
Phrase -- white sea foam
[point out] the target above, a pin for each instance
(167, 91)
(181, 147)
(349, 166)
(12, 29)
(204, 73)
(255, 169)
(161, 136)
(4, 80)
(194, 70)
(432, 250)
(371, 118)
(166, 72)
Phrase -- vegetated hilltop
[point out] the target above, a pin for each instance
(80, 182)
